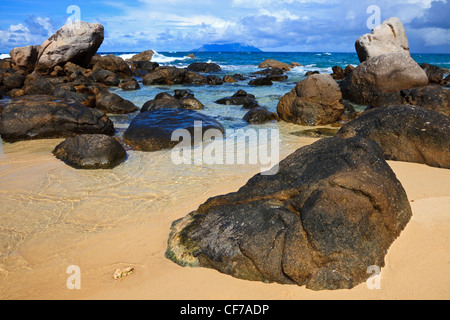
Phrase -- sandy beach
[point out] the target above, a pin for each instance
(101, 228)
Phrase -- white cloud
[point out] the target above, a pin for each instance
(435, 36)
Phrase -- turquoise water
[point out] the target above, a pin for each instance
(245, 64)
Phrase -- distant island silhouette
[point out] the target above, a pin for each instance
(229, 47)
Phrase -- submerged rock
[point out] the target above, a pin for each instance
(204, 67)
(271, 63)
(239, 98)
(261, 82)
(260, 115)
(152, 131)
(333, 209)
(90, 151)
(42, 116)
(405, 133)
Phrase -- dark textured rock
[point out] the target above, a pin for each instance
(165, 76)
(434, 73)
(333, 209)
(43, 116)
(213, 80)
(105, 77)
(67, 93)
(432, 97)
(261, 82)
(114, 104)
(204, 67)
(338, 73)
(14, 81)
(193, 78)
(316, 100)
(348, 69)
(37, 84)
(162, 103)
(405, 133)
(113, 64)
(181, 93)
(142, 68)
(129, 84)
(260, 115)
(152, 131)
(239, 98)
(309, 73)
(90, 151)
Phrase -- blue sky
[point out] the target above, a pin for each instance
(271, 25)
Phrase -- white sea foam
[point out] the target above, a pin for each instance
(127, 56)
(160, 58)
(4, 55)
(157, 57)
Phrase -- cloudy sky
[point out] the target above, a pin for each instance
(271, 25)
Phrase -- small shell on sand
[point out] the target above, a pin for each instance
(121, 273)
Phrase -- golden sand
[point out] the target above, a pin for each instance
(53, 216)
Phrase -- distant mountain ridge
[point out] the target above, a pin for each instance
(230, 47)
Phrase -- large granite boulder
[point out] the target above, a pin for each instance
(25, 57)
(332, 211)
(388, 37)
(375, 78)
(75, 42)
(43, 116)
(152, 131)
(405, 133)
(90, 151)
(316, 100)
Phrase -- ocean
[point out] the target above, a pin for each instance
(246, 63)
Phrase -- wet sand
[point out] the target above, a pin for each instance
(54, 216)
